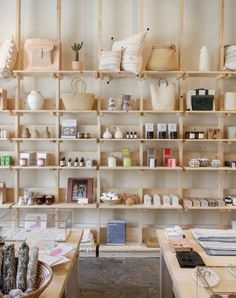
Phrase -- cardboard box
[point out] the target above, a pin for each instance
(2, 192)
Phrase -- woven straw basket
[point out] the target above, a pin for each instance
(163, 57)
(43, 279)
(78, 100)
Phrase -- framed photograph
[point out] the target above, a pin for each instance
(80, 188)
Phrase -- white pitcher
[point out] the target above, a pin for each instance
(163, 96)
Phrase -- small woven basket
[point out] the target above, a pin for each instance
(43, 279)
(78, 100)
(163, 57)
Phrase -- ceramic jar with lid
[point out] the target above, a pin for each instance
(49, 199)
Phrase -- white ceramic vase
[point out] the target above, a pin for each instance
(118, 133)
(107, 134)
(35, 100)
(204, 64)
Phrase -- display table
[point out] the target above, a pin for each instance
(66, 276)
(180, 280)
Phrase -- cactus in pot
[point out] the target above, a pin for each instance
(77, 64)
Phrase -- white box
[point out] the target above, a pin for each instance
(156, 200)
(31, 158)
(69, 129)
(147, 200)
(175, 200)
(161, 127)
(149, 127)
(45, 156)
(204, 203)
(231, 132)
(172, 127)
(166, 200)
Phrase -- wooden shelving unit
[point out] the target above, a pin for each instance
(141, 114)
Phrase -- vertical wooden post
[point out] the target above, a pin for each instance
(97, 54)
(221, 34)
(99, 34)
(59, 31)
(18, 33)
(181, 33)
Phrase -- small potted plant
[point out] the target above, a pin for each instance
(76, 64)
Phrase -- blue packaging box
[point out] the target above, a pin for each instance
(116, 232)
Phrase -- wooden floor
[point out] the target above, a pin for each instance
(119, 277)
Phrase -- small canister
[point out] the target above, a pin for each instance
(87, 135)
(40, 162)
(150, 135)
(49, 199)
(162, 134)
(111, 161)
(80, 135)
(23, 162)
(201, 135)
(173, 134)
(192, 135)
(187, 133)
(40, 200)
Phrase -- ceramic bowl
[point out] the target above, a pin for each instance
(194, 163)
(204, 162)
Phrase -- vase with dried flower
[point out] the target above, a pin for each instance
(77, 64)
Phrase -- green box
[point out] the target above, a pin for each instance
(125, 152)
(7, 160)
(2, 160)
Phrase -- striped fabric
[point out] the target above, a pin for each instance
(230, 57)
(110, 60)
(131, 59)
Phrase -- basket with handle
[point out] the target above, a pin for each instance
(79, 99)
(163, 57)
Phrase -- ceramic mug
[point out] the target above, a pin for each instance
(215, 163)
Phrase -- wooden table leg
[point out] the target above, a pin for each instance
(165, 279)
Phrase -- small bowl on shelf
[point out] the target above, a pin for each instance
(110, 198)
(204, 162)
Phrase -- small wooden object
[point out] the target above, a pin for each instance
(2, 192)
(3, 99)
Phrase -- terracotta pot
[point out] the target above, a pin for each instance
(77, 65)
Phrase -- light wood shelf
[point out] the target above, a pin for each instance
(57, 206)
(139, 207)
(128, 247)
(6, 205)
(141, 114)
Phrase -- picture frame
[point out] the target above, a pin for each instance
(79, 189)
